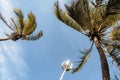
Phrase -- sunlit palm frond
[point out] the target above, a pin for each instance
(115, 33)
(79, 10)
(83, 59)
(65, 18)
(111, 14)
(96, 17)
(30, 24)
(35, 37)
(110, 21)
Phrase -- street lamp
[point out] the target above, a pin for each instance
(66, 65)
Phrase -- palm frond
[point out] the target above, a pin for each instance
(35, 37)
(65, 18)
(113, 7)
(99, 2)
(113, 48)
(110, 21)
(3, 19)
(115, 33)
(115, 54)
(30, 25)
(16, 27)
(80, 12)
(83, 59)
(109, 16)
(20, 18)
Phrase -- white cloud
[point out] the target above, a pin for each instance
(12, 64)
(6, 7)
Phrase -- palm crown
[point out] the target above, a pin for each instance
(93, 20)
(22, 28)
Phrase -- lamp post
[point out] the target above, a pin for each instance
(66, 65)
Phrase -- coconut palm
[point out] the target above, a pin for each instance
(94, 20)
(22, 29)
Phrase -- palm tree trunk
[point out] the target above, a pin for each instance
(4, 39)
(104, 63)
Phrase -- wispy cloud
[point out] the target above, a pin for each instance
(12, 64)
(6, 7)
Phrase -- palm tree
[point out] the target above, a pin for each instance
(22, 29)
(94, 19)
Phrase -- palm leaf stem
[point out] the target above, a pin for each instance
(6, 22)
(4, 39)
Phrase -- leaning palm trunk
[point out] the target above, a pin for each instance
(94, 19)
(104, 63)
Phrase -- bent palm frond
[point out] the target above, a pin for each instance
(20, 18)
(112, 14)
(35, 37)
(110, 21)
(115, 54)
(80, 12)
(113, 7)
(15, 25)
(64, 17)
(83, 59)
(30, 25)
(113, 49)
(115, 33)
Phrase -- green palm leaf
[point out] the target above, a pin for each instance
(109, 21)
(115, 33)
(15, 25)
(79, 10)
(112, 14)
(35, 37)
(113, 7)
(113, 49)
(64, 17)
(30, 25)
(83, 59)
(20, 23)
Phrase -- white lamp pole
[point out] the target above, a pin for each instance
(66, 65)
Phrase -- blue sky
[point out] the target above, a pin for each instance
(41, 59)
